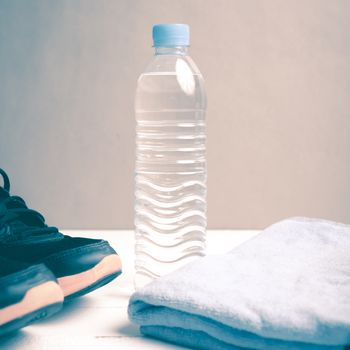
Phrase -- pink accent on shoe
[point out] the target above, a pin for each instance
(37, 297)
(74, 283)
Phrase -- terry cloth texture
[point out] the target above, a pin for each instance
(287, 288)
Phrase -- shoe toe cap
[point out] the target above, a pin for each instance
(14, 286)
(78, 259)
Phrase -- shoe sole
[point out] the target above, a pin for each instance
(85, 282)
(39, 302)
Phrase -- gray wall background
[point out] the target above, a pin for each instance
(278, 82)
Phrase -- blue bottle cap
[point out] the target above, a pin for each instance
(171, 35)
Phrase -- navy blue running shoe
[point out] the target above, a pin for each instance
(80, 265)
(27, 294)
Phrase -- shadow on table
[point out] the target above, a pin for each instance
(69, 308)
(13, 340)
(19, 339)
(128, 330)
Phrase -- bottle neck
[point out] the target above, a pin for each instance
(178, 50)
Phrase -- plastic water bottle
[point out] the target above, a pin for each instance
(170, 179)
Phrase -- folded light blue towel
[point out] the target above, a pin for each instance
(287, 288)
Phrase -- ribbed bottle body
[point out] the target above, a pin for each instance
(170, 171)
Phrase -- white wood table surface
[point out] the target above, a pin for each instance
(99, 320)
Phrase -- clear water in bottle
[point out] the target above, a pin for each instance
(170, 179)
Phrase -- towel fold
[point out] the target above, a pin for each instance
(287, 288)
